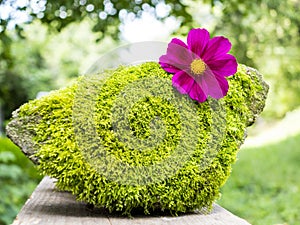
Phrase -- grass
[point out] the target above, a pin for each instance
(18, 178)
(264, 187)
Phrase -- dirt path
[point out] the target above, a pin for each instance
(290, 125)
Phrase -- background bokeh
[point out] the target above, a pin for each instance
(45, 44)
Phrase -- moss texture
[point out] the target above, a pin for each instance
(188, 182)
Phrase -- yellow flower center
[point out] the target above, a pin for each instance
(198, 67)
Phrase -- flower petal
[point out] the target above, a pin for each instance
(224, 66)
(217, 85)
(178, 42)
(216, 47)
(174, 63)
(223, 85)
(197, 93)
(178, 56)
(183, 82)
(169, 68)
(178, 51)
(197, 41)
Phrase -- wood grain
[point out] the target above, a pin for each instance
(49, 206)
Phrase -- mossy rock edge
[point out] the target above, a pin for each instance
(44, 130)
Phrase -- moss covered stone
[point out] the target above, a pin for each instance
(126, 139)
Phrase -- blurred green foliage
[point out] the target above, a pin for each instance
(106, 15)
(45, 61)
(18, 178)
(264, 34)
(44, 53)
(264, 185)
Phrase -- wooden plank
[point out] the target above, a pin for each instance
(49, 206)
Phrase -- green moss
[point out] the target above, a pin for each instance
(157, 127)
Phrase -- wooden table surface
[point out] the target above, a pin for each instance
(49, 206)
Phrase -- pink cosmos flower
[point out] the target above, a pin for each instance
(201, 65)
